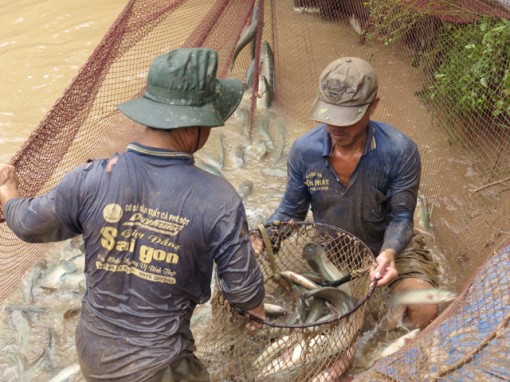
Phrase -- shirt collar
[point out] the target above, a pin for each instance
(370, 143)
(158, 153)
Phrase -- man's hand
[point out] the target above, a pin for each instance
(257, 244)
(258, 312)
(8, 183)
(385, 272)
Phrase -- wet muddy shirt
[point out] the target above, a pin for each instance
(152, 227)
(378, 204)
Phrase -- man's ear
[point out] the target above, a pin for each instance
(373, 106)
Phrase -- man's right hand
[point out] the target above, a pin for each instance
(9, 183)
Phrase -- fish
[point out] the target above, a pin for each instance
(300, 310)
(245, 188)
(263, 130)
(316, 256)
(67, 374)
(298, 279)
(74, 281)
(267, 64)
(54, 277)
(30, 282)
(249, 74)
(399, 343)
(272, 351)
(292, 356)
(273, 310)
(422, 296)
(222, 151)
(316, 309)
(339, 300)
(248, 35)
(26, 308)
(238, 156)
(356, 24)
(22, 325)
(243, 116)
(210, 168)
(422, 217)
(265, 94)
(257, 150)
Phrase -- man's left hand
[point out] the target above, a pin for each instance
(385, 272)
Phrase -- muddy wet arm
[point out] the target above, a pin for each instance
(404, 194)
(43, 218)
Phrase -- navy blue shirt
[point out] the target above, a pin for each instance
(153, 226)
(377, 205)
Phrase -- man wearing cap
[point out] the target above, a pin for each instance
(362, 176)
(153, 225)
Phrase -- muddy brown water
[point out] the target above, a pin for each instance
(43, 45)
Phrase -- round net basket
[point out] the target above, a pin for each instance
(317, 284)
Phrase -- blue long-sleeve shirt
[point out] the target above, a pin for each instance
(378, 204)
(153, 226)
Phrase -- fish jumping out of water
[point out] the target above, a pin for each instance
(422, 296)
(248, 35)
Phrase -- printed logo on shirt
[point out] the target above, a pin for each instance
(152, 257)
(112, 213)
(315, 181)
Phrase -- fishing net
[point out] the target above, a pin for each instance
(316, 331)
(443, 69)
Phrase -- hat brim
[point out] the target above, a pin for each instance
(337, 115)
(163, 116)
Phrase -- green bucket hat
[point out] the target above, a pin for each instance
(182, 90)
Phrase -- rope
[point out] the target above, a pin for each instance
(471, 354)
(269, 247)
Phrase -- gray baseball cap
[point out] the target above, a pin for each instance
(182, 90)
(347, 86)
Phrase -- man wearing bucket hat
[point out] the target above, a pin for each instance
(362, 176)
(153, 225)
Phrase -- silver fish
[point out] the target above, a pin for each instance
(249, 74)
(265, 95)
(245, 188)
(422, 217)
(248, 35)
(31, 281)
(316, 310)
(298, 279)
(73, 281)
(267, 65)
(422, 296)
(25, 308)
(292, 356)
(238, 156)
(399, 343)
(341, 301)
(212, 169)
(257, 150)
(21, 323)
(273, 310)
(263, 130)
(318, 259)
(67, 374)
(54, 277)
